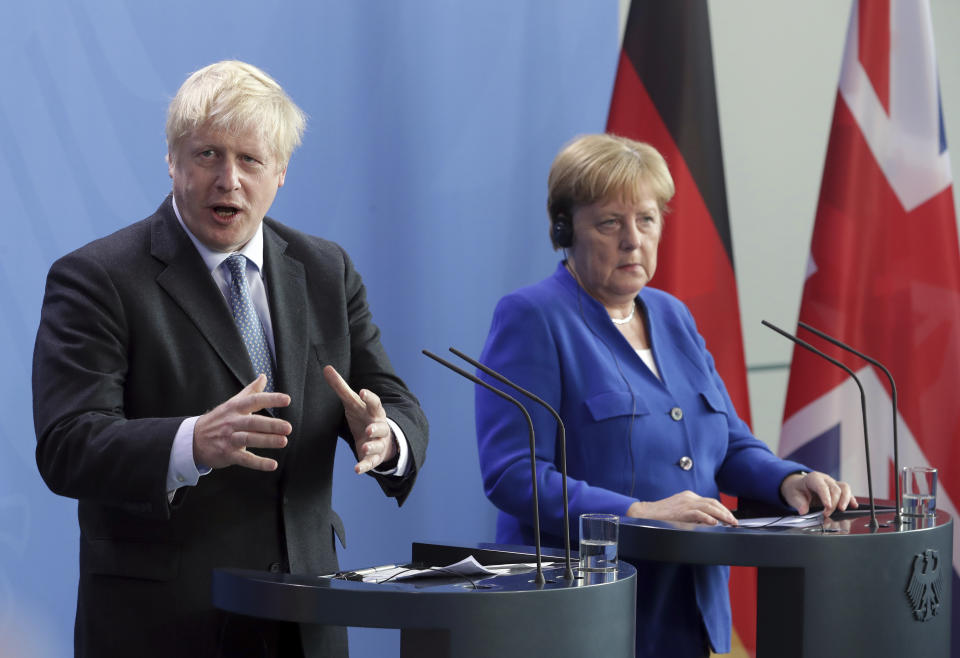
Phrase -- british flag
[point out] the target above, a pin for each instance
(884, 269)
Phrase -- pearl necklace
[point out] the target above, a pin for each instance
(626, 319)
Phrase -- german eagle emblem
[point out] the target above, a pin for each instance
(926, 586)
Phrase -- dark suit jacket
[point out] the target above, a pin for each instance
(134, 337)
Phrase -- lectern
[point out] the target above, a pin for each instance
(839, 589)
(506, 616)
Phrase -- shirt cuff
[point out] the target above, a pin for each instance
(182, 471)
(403, 460)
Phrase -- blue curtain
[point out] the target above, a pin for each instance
(432, 126)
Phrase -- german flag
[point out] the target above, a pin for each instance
(665, 95)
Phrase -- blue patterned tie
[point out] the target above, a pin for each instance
(245, 315)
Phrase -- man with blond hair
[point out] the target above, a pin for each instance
(192, 372)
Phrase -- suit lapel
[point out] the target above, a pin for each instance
(190, 285)
(287, 292)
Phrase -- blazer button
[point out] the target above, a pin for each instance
(676, 413)
(274, 567)
(685, 463)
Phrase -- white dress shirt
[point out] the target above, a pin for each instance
(182, 470)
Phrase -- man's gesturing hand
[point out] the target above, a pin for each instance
(221, 436)
(367, 420)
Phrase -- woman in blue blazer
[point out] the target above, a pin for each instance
(651, 430)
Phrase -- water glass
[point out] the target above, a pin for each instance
(918, 487)
(598, 542)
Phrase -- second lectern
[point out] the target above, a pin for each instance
(835, 590)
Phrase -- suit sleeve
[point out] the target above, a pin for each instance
(370, 368)
(86, 447)
(522, 347)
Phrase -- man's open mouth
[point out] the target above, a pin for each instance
(226, 211)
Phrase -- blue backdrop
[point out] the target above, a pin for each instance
(432, 126)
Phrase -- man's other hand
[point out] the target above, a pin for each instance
(221, 436)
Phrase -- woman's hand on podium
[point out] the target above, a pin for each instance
(801, 490)
(684, 506)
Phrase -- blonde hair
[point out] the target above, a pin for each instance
(234, 96)
(593, 168)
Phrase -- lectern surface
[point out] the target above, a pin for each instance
(840, 589)
(699, 544)
(509, 615)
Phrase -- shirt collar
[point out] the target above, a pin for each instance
(253, 250)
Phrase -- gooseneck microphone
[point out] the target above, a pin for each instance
(874, 525)
(897, 518)
(540, 580)
(563, 447)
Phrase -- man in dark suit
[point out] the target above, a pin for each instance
(190, 398)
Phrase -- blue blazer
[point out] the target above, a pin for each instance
(626, 433)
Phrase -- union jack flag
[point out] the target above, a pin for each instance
(884, 269)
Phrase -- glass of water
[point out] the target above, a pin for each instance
(919, 490)
(598, 542)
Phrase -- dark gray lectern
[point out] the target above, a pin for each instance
(837, 590)
(505, 616)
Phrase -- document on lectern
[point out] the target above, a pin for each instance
(467, 568)
(792, 521)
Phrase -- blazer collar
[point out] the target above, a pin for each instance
(600, 319)
(590, 305)
(188, 282)
(287, 294)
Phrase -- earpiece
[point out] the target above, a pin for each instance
(563, 232)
